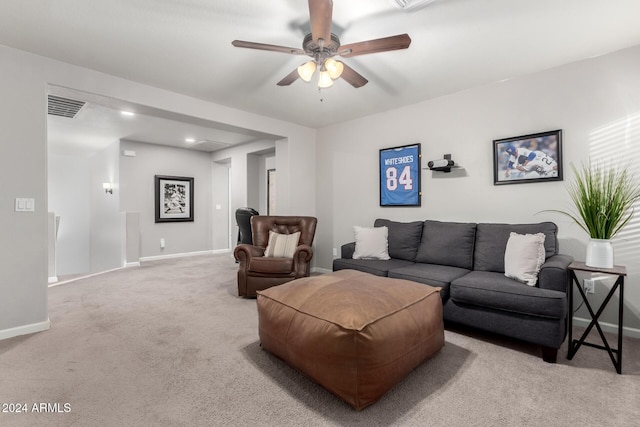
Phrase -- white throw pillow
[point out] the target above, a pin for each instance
(282, 245)
(371, 243)
(524, 256)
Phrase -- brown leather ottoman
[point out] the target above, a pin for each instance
(354, 333)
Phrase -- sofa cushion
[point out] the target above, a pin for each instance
(270, 265)
(404, 238)
(491, 242)
(430, 274)
(371, 266)
(371, 243)
(447, 243)
(497, 292)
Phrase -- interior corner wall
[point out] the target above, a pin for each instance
(24, 80)
(296, 182)
(283, 160)
(243, 164)
(69, 188)
(137, 194)
(586, 99)
(221, 233)
(106, 237)
(23, 254)
(267, 161)
(253, 181)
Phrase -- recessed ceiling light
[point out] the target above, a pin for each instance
(189, 140)
(127, 113)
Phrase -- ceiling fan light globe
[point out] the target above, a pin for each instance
(334, 68)
(324, 80)
(306, 70)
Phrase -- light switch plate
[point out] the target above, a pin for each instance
(25, 204)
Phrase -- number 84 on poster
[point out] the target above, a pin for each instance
(400, 176)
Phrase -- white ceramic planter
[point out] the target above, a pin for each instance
(599, 253)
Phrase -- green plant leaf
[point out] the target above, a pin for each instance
(603, 198)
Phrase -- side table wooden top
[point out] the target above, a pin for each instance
(620, 270)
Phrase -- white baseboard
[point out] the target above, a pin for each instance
(53, 279)
(320, 270)
(137, 264)
(84, 277)
(608, 327)
(25, 330)
(186, 254)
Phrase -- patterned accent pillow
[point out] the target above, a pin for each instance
(282, 245)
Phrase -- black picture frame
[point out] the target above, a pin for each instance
(528, 158)
(173, 198)
(400, 171)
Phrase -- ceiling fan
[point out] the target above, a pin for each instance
(322, 45)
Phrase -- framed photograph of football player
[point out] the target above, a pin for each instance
(400, 176)
(528, 158)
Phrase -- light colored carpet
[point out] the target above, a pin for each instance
(170, 343)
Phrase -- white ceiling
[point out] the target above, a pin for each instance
(185, 46)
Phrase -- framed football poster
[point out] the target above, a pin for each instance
(400, 176)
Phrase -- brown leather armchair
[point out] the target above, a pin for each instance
(257, 271)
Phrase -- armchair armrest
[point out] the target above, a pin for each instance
(244, 252)
(301, 258)
(347, 250)
(554, 274)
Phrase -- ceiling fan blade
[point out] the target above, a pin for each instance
(289, 78)
(401, 41)
(320, 12)
(269, 47)
(352, 77)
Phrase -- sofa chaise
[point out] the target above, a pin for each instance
(467, 260)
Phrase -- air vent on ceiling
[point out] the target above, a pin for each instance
(64, 107)
(410, 5)
(208, 145)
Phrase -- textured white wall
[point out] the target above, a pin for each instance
(137, 194)
(583, 99)
(106, 222)
(69, 182)
(24, 79)
(23, 254)
(221, 220)
(244, 177)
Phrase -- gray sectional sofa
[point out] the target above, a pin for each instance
(467, 261)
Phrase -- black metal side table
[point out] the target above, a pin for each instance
(574, 345)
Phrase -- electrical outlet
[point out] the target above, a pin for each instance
(590, 286)
(162, 243)
(335, 251)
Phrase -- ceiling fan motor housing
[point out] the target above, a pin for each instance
(320, 53)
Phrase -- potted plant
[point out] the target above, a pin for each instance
(603, 198)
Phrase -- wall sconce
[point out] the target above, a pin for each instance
(108, 187)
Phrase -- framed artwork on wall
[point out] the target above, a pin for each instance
(528, 158)
(400, 176)
(173, 198)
